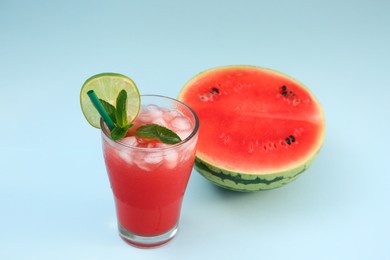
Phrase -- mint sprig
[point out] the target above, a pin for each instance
(162, 133)
(121, 109)
(118, 115)
(120, 132)
(110, 109)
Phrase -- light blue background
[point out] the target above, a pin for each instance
(55, 199)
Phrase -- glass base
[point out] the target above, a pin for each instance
(146, 241)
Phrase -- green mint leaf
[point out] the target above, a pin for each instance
(119, 132)
(164, 134)
(121, 109)
(110, 110)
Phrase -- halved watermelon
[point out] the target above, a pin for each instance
(259, 128)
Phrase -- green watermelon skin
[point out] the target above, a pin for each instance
(248, 182)
(259, 129)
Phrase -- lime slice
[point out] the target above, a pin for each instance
(107, 86)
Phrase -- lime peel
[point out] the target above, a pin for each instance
(107, 86)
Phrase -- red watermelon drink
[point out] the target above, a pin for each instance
(149, 177)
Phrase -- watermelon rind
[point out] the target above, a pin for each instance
(245, 182)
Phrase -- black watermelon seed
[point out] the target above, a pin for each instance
(292, 138)
(288, 141)
(215, 90)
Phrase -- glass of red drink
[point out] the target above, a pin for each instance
(149, 178)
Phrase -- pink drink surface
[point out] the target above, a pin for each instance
(149, 184)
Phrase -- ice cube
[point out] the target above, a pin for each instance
(153, 111)
(130, 141)
(126, 156)
(149, 161)
(160, 121)
(171, 159)
(151, 107)
(143, 166)
(184, 134)
(168, 116)
(142, 118)
(175, 113)
(153, 158)
(181, 123)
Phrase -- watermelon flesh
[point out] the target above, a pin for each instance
(259, 128)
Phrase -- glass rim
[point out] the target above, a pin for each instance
(173, 146)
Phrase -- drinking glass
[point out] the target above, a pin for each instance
(149, 179)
